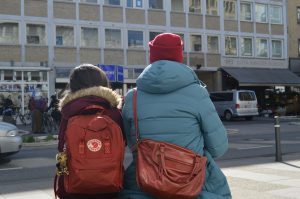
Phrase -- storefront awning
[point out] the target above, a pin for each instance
(263, 76)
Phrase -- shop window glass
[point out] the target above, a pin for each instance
(112, 2)
(17, 76)
(276, 14)
(195, 43)
(177, 5)
(135, 39)
(64, 36)
(230, 45)
(213, 44)
(212, 7)
(262, 47)
(261, 13)
(9, 33)
(8, 75)
(36, 34)
(246, 47)
(113, 38)
(230, 9)
(89, 37)
(276, 48)
(246, 11)
(195, 6)
(156, 4)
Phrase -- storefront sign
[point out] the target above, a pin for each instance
(114, 73)
(241, 62)
(120, 74)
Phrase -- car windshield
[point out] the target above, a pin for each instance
(247, 96)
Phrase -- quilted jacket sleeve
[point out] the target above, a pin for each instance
(214, 133)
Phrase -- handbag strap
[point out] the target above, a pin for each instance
(137, 134)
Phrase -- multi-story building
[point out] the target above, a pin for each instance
(293, 15)
(229, 43)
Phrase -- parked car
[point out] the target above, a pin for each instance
(235, 103)
(10, 139)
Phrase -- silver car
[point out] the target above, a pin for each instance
(10, 139)
(235, 103)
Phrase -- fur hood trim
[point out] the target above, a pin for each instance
(108, 94)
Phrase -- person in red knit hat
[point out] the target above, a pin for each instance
(166, 46)
(173, 106)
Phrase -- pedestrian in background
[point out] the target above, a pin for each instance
(88, 86)
(37, 106)
(173, 106)
(55, 113)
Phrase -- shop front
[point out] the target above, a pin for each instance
(19, 84)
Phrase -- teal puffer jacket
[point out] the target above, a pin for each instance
(174, 107)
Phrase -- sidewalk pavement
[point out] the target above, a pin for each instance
(248, 178)
(262, 177)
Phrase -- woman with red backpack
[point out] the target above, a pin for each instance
(88, 87)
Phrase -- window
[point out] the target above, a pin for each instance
(247, 96)
(64, 36)
(135, 39)
(230, 9)
(219, 97)
(246, 12)
(276, 14)
(89, 1)
(113, 38)
(195, 43)
(134, 3)
(262, 47)
(213, 44)
(152, 35)
(212, 7)
(246, 47)
(112, 2)
(298, 14)
(261, 12)
(9, 33)
(276, 48)
(230, 45)
(182, 38)
(195, 6)
(177, 5)
(36, 34)
(299, 47)
(89, 37)
(156, 4)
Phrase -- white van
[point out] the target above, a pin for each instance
(235, 103)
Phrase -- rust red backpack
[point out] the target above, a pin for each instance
(92, 161)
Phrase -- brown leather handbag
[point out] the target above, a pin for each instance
(167, 170)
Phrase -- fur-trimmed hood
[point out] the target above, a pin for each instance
(108, 94)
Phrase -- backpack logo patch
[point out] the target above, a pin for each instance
(94, 145)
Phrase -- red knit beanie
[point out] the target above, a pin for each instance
(166, 46)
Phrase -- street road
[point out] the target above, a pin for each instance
(246, 139)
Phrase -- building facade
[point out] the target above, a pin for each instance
(42, 40)
(293, 7)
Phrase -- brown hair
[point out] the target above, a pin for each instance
(86, 76)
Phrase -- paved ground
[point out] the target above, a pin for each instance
(249, 178)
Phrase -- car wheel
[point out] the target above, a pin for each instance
(228, 115)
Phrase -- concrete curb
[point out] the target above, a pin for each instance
(37, 144)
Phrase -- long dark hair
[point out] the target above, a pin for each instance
(86, 76)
